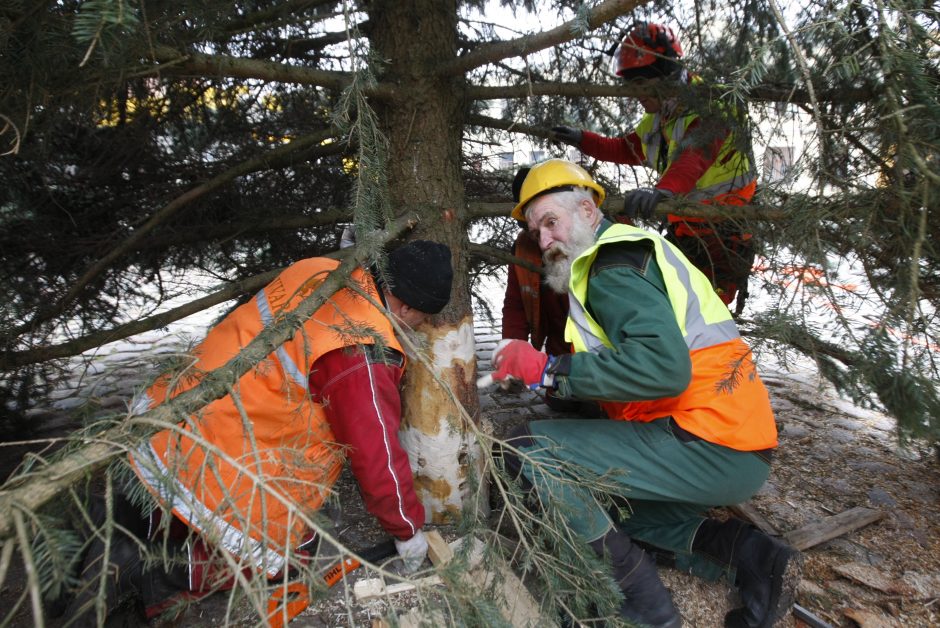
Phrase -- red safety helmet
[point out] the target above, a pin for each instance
(648, 51)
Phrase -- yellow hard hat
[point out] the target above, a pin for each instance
(552, 174)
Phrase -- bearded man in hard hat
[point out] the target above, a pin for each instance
(243, 476)
(695, 151)
(689, 421)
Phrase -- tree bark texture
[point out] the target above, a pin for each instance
(424, 128)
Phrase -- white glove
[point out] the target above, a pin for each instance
(412, 552)
(487, 380)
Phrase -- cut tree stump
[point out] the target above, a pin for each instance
(832, 527)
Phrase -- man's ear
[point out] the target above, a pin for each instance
(590, 210)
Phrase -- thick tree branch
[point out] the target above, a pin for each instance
(497, 51)
(281, 10)
(614, 204)
(216, 232)
(499, 256)
(758, 93)
(298, 47)
(173, 62)
(32, 491)
(161, 215)
(201, 64)
(508, 125)
(10, 360)
(804, 342)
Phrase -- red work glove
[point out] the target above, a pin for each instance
(520, 360)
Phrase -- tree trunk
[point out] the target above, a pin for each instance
(423, 124)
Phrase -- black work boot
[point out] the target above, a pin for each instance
(121, 580)
(646, 601)
(165, 586)
(122, 570)
(766, 570)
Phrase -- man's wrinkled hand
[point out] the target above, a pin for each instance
(412, 552)
(641, 203)
(517, 359)
(567, 135)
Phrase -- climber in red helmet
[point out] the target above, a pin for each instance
(693, 149)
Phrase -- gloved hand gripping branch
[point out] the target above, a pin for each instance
(567, 135)
(642, 202)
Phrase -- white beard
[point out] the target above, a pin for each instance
(557, 260)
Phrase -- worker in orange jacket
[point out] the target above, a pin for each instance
(245, 474)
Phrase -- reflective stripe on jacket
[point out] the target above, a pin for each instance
(725, 403)
(731, 171)
(206, 470)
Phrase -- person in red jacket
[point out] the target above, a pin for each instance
(327, 395)
(531, 311)
(695, 152)
(534, 312)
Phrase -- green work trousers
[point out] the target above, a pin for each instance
(668, 483)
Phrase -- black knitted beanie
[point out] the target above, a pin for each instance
(421, 275)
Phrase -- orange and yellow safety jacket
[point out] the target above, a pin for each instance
(208, 469)
(725, 401)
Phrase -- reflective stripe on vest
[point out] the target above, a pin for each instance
(703, 319)
(287, 363)
(175, 495)
(730, 171)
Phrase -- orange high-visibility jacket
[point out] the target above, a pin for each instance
(725, 402)
(207, 469)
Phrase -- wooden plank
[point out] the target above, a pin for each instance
(749, 513)
(439, 551)
(371, 588)
(874, 578)
(515, 602)
(832, 527)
